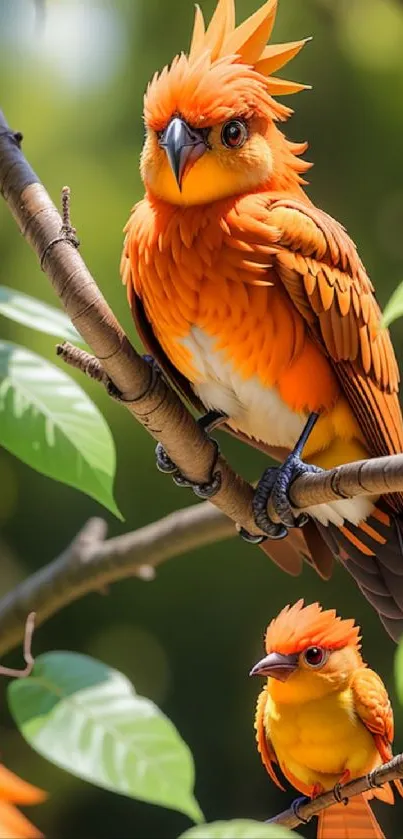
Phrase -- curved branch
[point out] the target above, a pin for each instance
(147, 396)
(299, 814)
(90, 563)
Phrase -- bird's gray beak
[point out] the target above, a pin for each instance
(183, 145)
(276, 665)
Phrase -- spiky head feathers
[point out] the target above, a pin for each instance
(228, 70)
(298, 627)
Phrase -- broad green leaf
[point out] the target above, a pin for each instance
(238, 829)
(394, 307)
(399, 671)
(38, 315)
(87, 718)
(49, 422)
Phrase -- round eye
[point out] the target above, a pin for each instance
(315, 656)
(234, 134)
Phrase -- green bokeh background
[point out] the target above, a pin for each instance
(72, 76)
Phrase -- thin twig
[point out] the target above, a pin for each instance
(90, 563)
(302, 813)
(27, 652)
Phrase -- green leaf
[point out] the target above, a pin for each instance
(399, 671)
(87, 718)
(238, 829)
(50, 423)
(38, 315)
(394, 308)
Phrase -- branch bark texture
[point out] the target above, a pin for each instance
(302, 813)
(92, 562)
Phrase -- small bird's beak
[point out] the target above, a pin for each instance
(277, 666)
(183, 146)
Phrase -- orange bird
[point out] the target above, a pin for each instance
(323, 716)
(256, 304)
(13, 790)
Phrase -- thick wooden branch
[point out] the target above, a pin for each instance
(301, 813)
(148, 397)
(92, 562)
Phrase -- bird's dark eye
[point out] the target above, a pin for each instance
(315, 656)
(234, 134)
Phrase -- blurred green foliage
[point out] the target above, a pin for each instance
(72, 80)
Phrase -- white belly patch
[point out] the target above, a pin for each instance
(257, 411)
(260, 413)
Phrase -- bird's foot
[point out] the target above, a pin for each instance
(295, 807)
(164, 463)
(337, 789)
(274, 485)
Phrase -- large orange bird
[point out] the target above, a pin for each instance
(323, 716)
(256, 303)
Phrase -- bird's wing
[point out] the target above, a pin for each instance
(264, 744)
(372, 704)
(373, 707)
(319, 267)
(289, 553)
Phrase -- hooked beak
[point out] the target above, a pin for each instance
(183, 146)
(277, 666)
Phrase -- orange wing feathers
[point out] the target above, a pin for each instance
(374, 709)
(326, 281)
(264, 746)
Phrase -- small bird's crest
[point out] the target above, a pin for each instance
(298, 627)
(228, 70)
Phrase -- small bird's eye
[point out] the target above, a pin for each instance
(234, 134)
(315, 656)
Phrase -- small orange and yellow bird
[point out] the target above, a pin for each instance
(323, 716)
(256, 304)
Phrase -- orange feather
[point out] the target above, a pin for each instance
(13, 790)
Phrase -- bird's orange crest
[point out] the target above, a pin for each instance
(299, 626)
(228, 71)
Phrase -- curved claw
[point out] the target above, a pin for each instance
(263, 492)
(338, 794)
(274, 485)
(164, 463)
(296, 804)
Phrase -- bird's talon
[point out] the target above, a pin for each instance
(338, 794)
(113, 391)
(274, 485)
(164, 463)
(296, 804)
(168, 467)
(252, 538)
(372, 783)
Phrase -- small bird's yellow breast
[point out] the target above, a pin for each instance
(317, 741)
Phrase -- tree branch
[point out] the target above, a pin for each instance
(303, 812)
(90, 564)
(147, 396)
